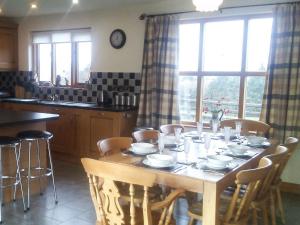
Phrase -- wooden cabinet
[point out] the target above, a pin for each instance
(77, 131)
(8, 46)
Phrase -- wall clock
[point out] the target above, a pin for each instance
(117, 38)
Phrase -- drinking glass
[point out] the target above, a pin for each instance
(200, 129)
(238, 129)
(187, 146)
(227, 134)
(215, 126)
(161, 144)
(207, 140)
(177, 136)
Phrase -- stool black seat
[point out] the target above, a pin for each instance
(34, 134)
(5, 140)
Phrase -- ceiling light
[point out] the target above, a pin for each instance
(33, 5)
(75, 2)
(0, 10)
(207, 5)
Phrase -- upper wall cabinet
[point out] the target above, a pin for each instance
(8, 46)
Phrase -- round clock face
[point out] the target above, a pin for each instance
(118, 38)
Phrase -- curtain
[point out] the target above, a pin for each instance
(281, 103)
(159, 90)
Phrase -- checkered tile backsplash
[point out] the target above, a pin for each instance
(113, 83)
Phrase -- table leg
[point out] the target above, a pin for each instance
(211, 199)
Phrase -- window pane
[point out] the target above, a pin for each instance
(187, 97)
(223, 42)
(44, 62)
(63, 61)
(259, 38)
(221, 93)
(254, 96)
(84, 61)
(189, 47)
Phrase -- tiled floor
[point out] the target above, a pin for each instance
(75, 206)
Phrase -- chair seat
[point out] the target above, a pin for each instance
(34, 134)
(5, 140)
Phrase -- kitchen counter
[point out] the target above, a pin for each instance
(92, 106)
(8, 117)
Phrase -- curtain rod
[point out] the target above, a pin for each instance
(144, 15)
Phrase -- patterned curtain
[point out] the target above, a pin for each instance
(159, 91)
(281, 104)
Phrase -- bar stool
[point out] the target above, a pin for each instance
(31, 136)
(10, 143)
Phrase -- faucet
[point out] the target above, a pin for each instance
(53, 97)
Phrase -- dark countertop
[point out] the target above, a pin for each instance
(92, 106)
(8, 117)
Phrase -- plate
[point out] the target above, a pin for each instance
(262, 145)
(147, 163)
(148, 151)
(215, 167)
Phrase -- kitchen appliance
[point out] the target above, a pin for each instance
(103, 99)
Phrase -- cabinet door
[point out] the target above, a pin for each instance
(101, 127)
(8, 48)
(64, 133)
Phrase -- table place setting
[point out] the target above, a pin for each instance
(141, 149)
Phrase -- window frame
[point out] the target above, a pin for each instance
(200, 73)
(74, 58)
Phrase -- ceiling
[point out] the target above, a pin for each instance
(20, 8)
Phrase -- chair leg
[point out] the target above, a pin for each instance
(280, 205)
(17, 152)
(272, 208)
(29, 175)
(39, 165)
(265, 215)
(191, 221)
(52, 172)
(19, 155)
(254, 216)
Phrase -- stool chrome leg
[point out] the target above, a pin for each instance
(52, 172)
(29, 175)
(19, 152)
(19, 175)
(1, 184)
(39, 164)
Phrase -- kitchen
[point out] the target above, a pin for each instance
(83, 61)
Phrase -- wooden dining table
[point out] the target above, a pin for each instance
(190, 176)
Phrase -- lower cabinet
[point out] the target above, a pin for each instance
(77, 131)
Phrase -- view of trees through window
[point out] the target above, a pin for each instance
(222, 66)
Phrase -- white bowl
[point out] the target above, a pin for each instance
(169, 140)
(256, 140)
(142, 147)
(219, 160)
(238, 149)
(160, 159)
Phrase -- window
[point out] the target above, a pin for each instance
(65, 53)
(222, 64)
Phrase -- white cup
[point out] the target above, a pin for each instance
(161, 144)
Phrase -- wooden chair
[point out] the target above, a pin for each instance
(291, 144)
(236, 212)
(116, 144)
(146, 135)
(112, 145)
(248, 126)
(107, 199)
(264, 197)
(170, 128)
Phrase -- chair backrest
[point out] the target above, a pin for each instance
(248, 126)
(239, 206)
(170, 128)
(278, 158)
(112, 145)
(106, 196)
(291, 144)
(146, 135)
